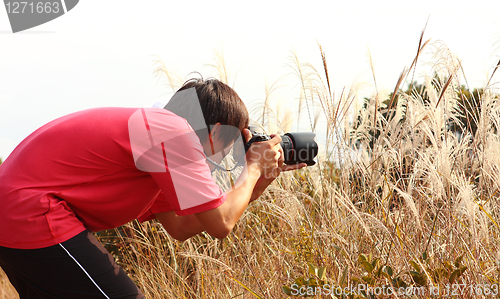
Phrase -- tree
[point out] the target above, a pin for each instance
(468, 102)
(469, 106)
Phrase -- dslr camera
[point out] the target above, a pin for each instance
(298, 147)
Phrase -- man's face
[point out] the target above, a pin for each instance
(218, 149)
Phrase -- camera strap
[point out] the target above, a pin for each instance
(220, 167)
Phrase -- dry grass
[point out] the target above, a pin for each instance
(416, 195)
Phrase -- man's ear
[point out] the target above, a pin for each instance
(215, 131)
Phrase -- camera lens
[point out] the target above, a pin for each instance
(299, 147)
(287, 146)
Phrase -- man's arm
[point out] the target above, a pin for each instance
(217, 222)
(264, 164)
(184, 227)
(180, 227)
(263, 159)
(220, 221)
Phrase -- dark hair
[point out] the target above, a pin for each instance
(219, 104)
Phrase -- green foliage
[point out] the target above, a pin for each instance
(308, 287)
(376, 275)
(469, 108)
(443, 273)
(303, 245)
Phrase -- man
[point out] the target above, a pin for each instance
(100, 168)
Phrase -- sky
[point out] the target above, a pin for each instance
(103, 53)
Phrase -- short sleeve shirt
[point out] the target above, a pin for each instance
(98, 169)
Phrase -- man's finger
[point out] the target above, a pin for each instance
(281, 159)
(247, 134)
(276, 139)
(293, 167)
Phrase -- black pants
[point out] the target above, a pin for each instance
(78, 268)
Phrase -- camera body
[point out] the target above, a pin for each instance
(298, 147)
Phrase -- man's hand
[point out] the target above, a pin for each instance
(265, 161)
(265, 156)
(269, 175)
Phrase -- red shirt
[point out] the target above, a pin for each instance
(98, 169)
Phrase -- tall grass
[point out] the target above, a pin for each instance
(399, 200)
(406, 193)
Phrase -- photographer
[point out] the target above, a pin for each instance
(100, 168)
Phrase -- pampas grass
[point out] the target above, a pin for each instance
(414, 189)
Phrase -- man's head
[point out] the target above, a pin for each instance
(219, 104)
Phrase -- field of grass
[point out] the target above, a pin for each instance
(403, 203)
(406, 196)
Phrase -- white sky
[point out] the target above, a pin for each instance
(101, 52)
